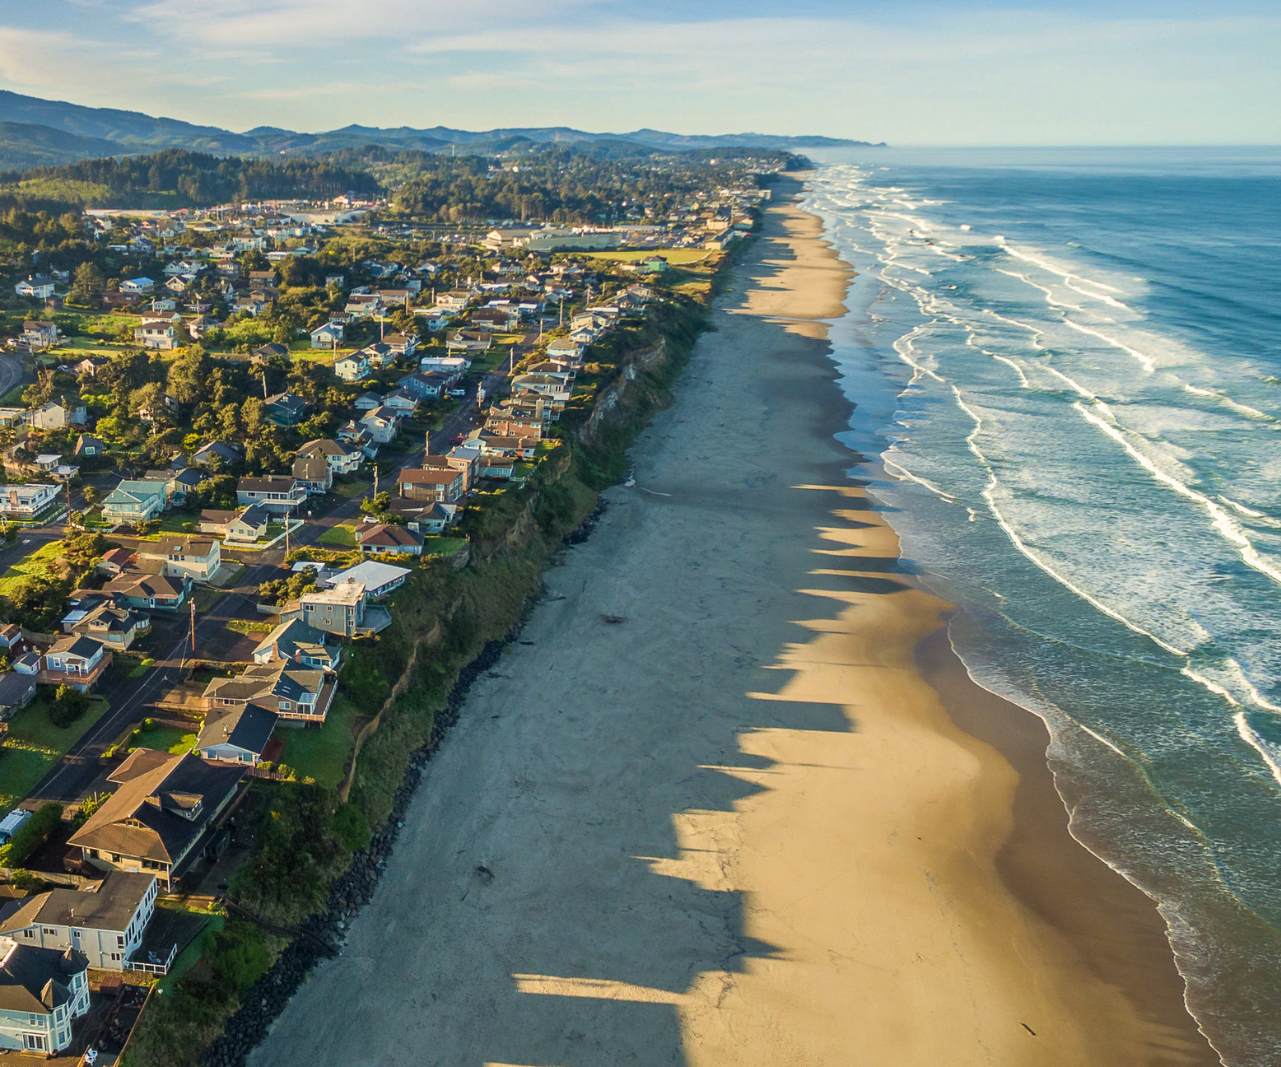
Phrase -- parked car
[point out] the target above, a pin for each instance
(10, 823)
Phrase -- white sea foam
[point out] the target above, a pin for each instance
(1246, 732)
(905, 473)
(1147, 361)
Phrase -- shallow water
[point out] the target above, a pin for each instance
(1068, 362)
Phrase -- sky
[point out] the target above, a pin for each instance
(914, 72)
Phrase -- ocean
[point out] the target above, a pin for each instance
(1068, 363)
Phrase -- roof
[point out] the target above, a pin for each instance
(181, 546)
(311, 468)
(295, 637)
(35, 980)
(326, 447)
(15, 687)
(371, 574)
(141, 818)
(391, 536)
(270, 483)
(118, 556)
(247, 727)
(110, 907)
(434, 476)
(140, 584)
(255, 515)
(77, 645)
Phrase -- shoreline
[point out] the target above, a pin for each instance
(736, 824)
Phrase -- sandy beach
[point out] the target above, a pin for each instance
(766, 819)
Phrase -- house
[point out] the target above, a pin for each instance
(114, 561)
(379, 355)
(105, 922)
(139, 589)
(454, 300)
(175, 557)
(42, 991)
(465, 457)
(453, 367)
(263, 354)
(280, 494)
(134, 502)
(387, 540)
(565, 351)
(381, 424)
(12, 416)
(441, 486)
(401, 400)
(423, 516)
(294, 693)
(39, 335)
(215, 453)
(237, 734)
(163, 805)
(469, 341)
(402, 344)
(35, 287)
(138, 286)
(246, 525)
(351, 367)
(88, 445)
(26, 501)
(285, 409)
(328, 335)
(75, 660)
(342, 458)
(343, 610)
(262, 279)
(376, 579)
(314, 474)
(57, 416)
(16, 692)
(368, 401)
(155, 333)
(294, 641)
(98, 616)
(423, 386)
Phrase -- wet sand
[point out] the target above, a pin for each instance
(766, 819)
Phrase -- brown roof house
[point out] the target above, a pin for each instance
(163, 806)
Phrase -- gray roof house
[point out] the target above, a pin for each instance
(42, 991)
(237, 734)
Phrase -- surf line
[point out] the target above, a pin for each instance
(1018, 543)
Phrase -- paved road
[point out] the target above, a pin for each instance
(73, 775)
(10, 373)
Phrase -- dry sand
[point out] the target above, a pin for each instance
(741, 827)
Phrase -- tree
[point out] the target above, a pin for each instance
(88, 284)
(378, 506)
(68, 706)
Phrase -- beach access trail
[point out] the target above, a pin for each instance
(738, 827)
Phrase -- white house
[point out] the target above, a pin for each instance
(134, 501)
(378, 579)
(42, 991)
(26, 501)
(137, 285)
(328, 335)
(155, 333)
(342, 458)
(352, 367)
(35, 287)
(106, 923)
(381, 424)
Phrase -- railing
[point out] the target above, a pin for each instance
(152, 968)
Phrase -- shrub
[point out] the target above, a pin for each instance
(31, 835)
(68, 706)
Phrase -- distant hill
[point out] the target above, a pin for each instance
(25, 144)
(36, 132)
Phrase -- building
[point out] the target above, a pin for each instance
(76, 660)
(381, 424)
(313, 473)
(296, 693)
(88, 445)
(134, 502)
(328, 335)
(342, 458)
(351, 367)
(154, 591)
(280, 494)
(16, 692)
(98, 616)
(443, 486)
(285, 409)
(35, 287)
(244, 526)
(215, 452)
(377, 579)
(42, 991)
(294, 641)
(343, 611)
(38, 335)
(24, 502)
(175, 557)
(387, 540)
(237, 734)
(162, 807)
(56, 416)
(155, 333)
(137, 285)
(106, 923)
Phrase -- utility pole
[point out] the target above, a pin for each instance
(192, 602)
(264, 383)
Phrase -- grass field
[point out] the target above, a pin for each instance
(167, 739)
(142, 668)
(322, 754)
(442, 546)
(34, 744)
(250, 626)
(40, 563)
(675, 256)
(351, 490)
(343, 536)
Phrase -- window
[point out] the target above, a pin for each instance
(120, 942)
(33, 1041)
(115, 956)
(50, 931)
(30, 935)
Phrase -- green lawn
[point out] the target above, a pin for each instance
(321, 753)
(178, 522)
(205, 597)
(343, 535)
(143, 666)
(674, 256)
(13, 397)
(203, 942)
(250, 626)
(167, 739)
(442, 546)
(351, 490)
(38, 563)
(34, 744)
